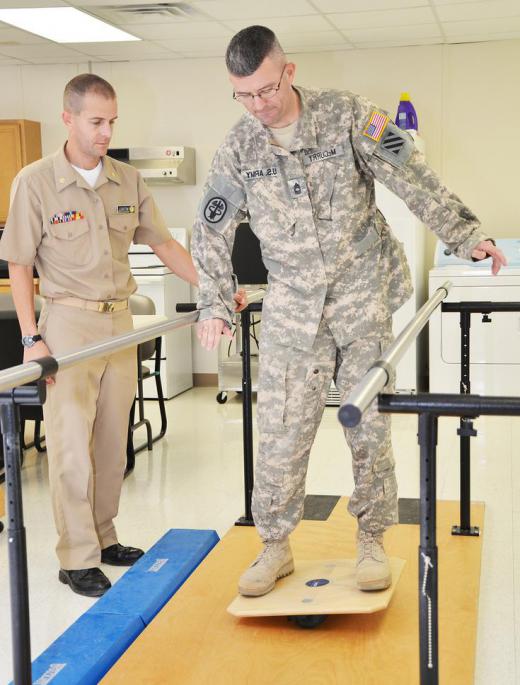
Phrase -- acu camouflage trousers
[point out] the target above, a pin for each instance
(292, 392)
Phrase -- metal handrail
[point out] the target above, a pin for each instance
(380, 373)
(32, 371)
(10, 427)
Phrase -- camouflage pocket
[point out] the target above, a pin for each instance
(272, 393)
(397, 276)
(322, 180)
(370, 239)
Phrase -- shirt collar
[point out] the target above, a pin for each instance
(305, 137)
(65, 175)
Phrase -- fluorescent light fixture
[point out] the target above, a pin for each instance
(64, 25)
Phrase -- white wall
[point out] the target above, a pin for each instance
(467, 97)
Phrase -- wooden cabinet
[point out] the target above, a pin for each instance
(20, 144)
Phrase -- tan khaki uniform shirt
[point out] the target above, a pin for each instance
(78, 236)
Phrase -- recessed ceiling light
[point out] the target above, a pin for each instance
(64, 25)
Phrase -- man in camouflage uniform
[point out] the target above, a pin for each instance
(302, 163)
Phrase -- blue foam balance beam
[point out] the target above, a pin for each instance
(84, 653)
(148, 584)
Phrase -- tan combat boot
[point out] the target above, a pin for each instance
(372, 570)
(274, 561)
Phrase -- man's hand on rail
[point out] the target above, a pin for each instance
(240, 298)
(209, 332)
(38, 350)
(487, 249)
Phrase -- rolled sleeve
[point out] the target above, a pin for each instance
(24, 228)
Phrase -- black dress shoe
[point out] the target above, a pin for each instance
(90, 582)
(119, 555)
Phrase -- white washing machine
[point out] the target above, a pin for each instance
(494, 346)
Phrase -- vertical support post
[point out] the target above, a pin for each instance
(465, 432)
(428, 570)
(247, 418)
(19, 585)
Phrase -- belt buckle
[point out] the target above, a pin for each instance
(106, 307)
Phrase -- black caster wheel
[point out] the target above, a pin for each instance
(309, 621)
(222, 397)
(1, 526)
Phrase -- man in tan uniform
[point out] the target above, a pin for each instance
(74, 215)
(302, 164)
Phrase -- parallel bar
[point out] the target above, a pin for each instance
(379, 375)
(25, 373)
(480, 307)
(449, 405)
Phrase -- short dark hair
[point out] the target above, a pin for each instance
(249, 47)
(82, 84)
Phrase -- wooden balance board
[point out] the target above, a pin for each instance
(318, 587)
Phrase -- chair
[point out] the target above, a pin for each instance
(11, 354)
(140, 304)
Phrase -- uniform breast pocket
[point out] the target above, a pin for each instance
(370, 239)
(71, 242)
(121, 231)
(321, 177)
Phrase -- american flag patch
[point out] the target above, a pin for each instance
(376, 125)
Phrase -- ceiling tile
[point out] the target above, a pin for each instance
(339, 47)
(481, 26)
(439, 3)
(44, 51)
(10, 34)
(185, 45)
(483, 37)
(410, 42)
(131, 57)
(225, 10)
(6, 61)
(366, 5)
(196, 29)
(73, 58)
(479, 10)
(204, 54)
(280, 25)
(139, 50)
(12, 4)
(323, 39)
(354, 20)
(111, 3)
(394, 33)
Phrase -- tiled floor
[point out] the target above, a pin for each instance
(194, 478)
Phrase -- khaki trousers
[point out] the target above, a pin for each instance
(86, 422)
(292, 391)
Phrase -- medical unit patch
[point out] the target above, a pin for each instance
(215, 210)
(376, 125)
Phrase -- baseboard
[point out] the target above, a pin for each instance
(205, 380)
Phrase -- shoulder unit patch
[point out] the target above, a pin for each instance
(395, 146)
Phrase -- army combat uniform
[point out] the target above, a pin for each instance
(78, 237)
(336, 275)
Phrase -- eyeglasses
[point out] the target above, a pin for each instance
(263, 93)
